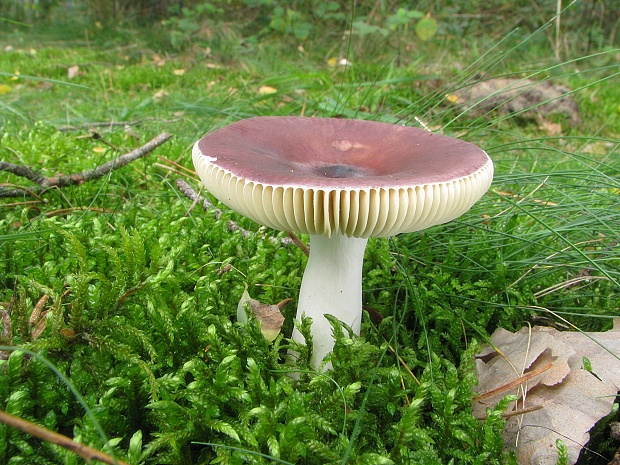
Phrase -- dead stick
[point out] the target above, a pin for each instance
(101, 124)
(110, 124)
(77, 178)
(104, 169)
(195, 197)
(298, 242)
(522, 411)
(88, 453)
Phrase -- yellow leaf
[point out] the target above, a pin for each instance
(332, 61)
(99, 149)
(16, 77)
(266, 90)
(426, 28)
(4, 89)
(452, 98)
(160, 95)
(178, 72)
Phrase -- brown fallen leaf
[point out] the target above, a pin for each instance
(160, 95)
(574, 392)
(577, 390)
(270, 316)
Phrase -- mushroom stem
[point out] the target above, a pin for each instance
(332, 284)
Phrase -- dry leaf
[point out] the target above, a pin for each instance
(40, 326)
(67, 333)
(6, 335)
(572, 396)
(158, 60)
(335, 61)
(270, 316)
(38, 308)
(38, 317)
(552, 129)
(266, 90)
(73, 71)
(178, 72)
(160, 95)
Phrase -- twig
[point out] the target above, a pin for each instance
(19, 204)
(96, 136)
(514, 413)
(88, 453)
(180, 168)
(196, 198)
(46, 183)
(569, 283)
(109, 124)
(101, 124)
(298, 243)
(512, 384)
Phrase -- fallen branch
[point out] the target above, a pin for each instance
(46, 183)
(88, 453)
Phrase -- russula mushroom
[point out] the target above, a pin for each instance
(340, 181)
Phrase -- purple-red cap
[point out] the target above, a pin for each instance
(353, 177)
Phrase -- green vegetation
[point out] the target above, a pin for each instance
(142, 290)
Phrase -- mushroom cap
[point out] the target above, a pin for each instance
(353, 177)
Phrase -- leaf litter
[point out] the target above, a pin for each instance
(576, 378)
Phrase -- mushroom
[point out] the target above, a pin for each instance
(340, 181)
